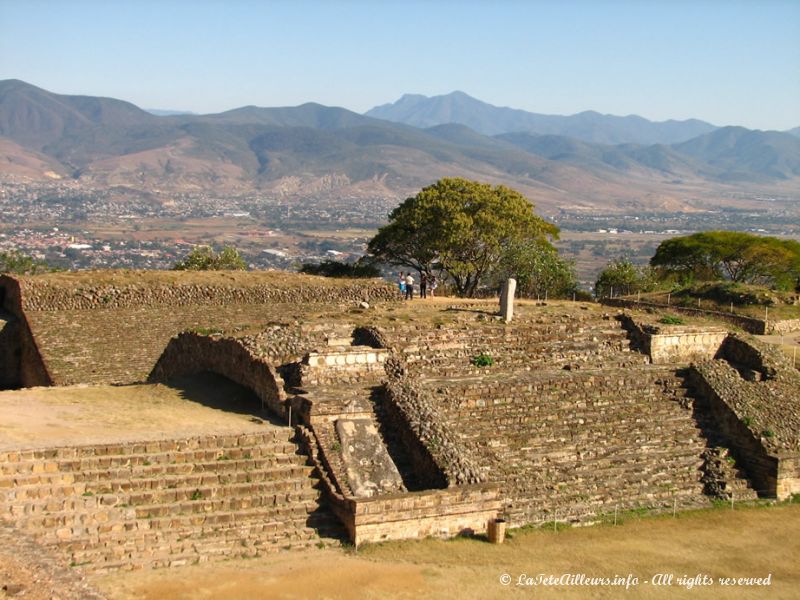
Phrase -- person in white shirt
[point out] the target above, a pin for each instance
(409, 287)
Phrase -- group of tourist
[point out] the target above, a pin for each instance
(427, 285)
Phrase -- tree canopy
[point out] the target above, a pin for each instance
(732, 255)
(203, 258)
(622, 277)
(334, 268)
(18, 263)
(539, 270)
(466, 229)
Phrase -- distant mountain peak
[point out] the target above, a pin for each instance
(589, 126)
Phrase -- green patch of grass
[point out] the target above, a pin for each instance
(671, 320)
(197, 495)
(482, 360)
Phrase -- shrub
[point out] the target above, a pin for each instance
(671, 320)
(482, 360)
(203, 258)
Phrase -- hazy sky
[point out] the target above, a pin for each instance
(724, 61)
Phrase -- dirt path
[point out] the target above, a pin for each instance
(756, 542)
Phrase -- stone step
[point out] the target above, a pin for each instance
(35, 466)
(174, 515)
(151, 471)
(205, 492)
(41, 504)
(266, 513)
(176, 555)
(276, 435)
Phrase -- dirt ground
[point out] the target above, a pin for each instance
(744, 543)
(54, 416)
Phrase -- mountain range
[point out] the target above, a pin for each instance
(585, 161)
(588, 126)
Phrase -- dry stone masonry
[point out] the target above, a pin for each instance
(393, 429)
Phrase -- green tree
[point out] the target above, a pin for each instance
(334, 268)
(621, 277)
(17, 263)
(203, 258)
(732, 255)
(464, 227)
(539, 270)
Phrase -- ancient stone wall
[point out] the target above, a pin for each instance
(715, 383)
(754, 394)
(19, 351)
(674, 344)
(784, 326)
(746, 352)
(190, 353)
(569, 445)
(749, 324)
(166, 502)
(431, 513)
(10, 352)
(156, 289)
(409, 515)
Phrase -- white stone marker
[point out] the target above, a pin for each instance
(507, 299)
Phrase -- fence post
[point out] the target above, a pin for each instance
(674, 507)
(668, 295)
(615, 516)
(731, 500)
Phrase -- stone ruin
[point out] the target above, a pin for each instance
(391, 431)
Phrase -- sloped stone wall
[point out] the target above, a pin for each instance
(153, 289)
(111, 327)
(190, 353)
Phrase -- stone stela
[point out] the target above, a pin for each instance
(507, 299)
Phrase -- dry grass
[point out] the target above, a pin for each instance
(752, 542)
(203, 405)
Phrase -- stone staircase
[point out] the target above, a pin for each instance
(568, 420)
(575, 443)
(334, 390)
(165, 503)
(524, 346)
(723, 478)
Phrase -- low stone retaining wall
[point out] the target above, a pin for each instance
(749, 324)
(785, 326)
(439, 513)
(673, 344)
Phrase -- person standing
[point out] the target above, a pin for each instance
(432, 284)
(409, 286)
(402, 283)
(423, 286)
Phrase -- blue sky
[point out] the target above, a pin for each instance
(727, 62)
